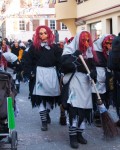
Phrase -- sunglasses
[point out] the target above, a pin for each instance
(41, 33)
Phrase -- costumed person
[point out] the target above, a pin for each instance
(114, 65)
(18, 51)
(42, 65)
(102, 46)
(80, 97)
(3, 62)
(63, 119)
(56, 36)
(29, 43)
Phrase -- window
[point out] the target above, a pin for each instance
(22, 25)
(80, 1)
(52, 24)
(60, 1)
(63, 27)
(96, 30)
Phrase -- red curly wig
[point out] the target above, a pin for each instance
(104, 43)
(82, 47)
(37, 41)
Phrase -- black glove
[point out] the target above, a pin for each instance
(77, 53)
(93, 74)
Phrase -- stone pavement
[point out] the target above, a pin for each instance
(31, 137)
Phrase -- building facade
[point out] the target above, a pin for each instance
(23, 17)
(97, 17)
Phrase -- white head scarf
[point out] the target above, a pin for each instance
(74, 45)
(98, 43)
(10, 57)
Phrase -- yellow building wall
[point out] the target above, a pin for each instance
(70, 23)
(65, 9)
(92, 6)
(66, 13)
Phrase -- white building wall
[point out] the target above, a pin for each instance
(105, 23)
(25, 35)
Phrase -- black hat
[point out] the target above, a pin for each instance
(116, 43)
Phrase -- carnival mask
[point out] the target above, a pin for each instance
(107, 44)
(43, 35)
(85, 40)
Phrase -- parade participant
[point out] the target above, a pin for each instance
(114, 65)
(18, 51)
(63, 120)
(102, 46)
(29, 43)
(42, 64)
(80, 99)
(3, 62)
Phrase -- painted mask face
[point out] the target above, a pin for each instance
(16, 44)
(85, 40)
(107, 44)
(43, 35)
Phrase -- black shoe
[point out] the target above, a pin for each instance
(73, 141)
(81, 139)
(44, 126)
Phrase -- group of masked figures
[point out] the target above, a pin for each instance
(49, 68)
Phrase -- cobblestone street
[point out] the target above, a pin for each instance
(31, 137)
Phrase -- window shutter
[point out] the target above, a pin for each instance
(46, 22)
(27, 26)
(35, 24)
(58, 25)
(16, 25)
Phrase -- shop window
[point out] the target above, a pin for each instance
(96, 30)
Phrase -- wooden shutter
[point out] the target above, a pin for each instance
(35, 24)
(46, 22)
(27, 26)
(16, 25)
(58, 25)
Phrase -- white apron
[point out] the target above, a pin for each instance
(80, 90)
(101, 78)
(47, 83)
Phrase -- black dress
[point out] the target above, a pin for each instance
(46, 58)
